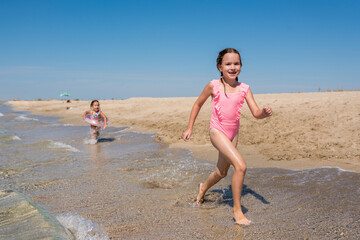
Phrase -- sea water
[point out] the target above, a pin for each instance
(128, 186)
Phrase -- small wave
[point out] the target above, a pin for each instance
(90, 141)
(10, 137)
(171, 172)
(122, 129)
(16, 138)
(142, 133)
(63, 125)
(82, 228)
(63, 145)
(340, 170)
(25, 118)
(1, 115)
(323, 167)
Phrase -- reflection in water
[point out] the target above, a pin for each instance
(97, 158)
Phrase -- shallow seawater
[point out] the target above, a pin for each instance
(127, 186)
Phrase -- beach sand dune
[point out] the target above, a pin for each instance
(307, 130)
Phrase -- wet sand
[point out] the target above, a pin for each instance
(132, 196)
(307, 130)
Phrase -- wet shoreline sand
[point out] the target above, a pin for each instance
(307, 130)
(136, 188)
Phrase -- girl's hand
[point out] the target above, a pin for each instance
(266, 111)
(186, 135)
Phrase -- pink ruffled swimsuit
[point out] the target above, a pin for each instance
(226, 109)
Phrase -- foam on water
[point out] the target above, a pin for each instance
(63, 124)
(25, 118)
(10, 137)
(16, 138)
(81, 228)
(122, 130)
(63, 145)
(1, 115)
(90, 141)
(172, 172)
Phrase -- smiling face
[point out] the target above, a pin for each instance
(230, 66)
(95, 106)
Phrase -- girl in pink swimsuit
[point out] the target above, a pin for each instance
(228, 96)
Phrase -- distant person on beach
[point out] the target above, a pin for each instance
(96, 118)
(228, 96)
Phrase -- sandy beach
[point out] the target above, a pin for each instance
(307, 130)
(135, 185)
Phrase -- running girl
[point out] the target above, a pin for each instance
(228, 96)
(97, 118)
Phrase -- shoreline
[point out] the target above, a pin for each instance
(307, 130)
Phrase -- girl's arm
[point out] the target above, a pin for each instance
(105, 119)
(86, 112)
(196, 109)
(255, 110)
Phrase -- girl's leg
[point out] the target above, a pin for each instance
(97, 132)
(222, 168)
(94, 132)
(230, 153)
(221, 171)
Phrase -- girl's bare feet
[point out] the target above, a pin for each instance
(200, 196)
(240, 219)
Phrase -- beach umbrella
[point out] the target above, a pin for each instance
(65, 94)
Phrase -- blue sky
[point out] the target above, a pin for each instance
(121, 49)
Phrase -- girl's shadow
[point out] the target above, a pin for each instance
(106, 139)
(228, 199)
